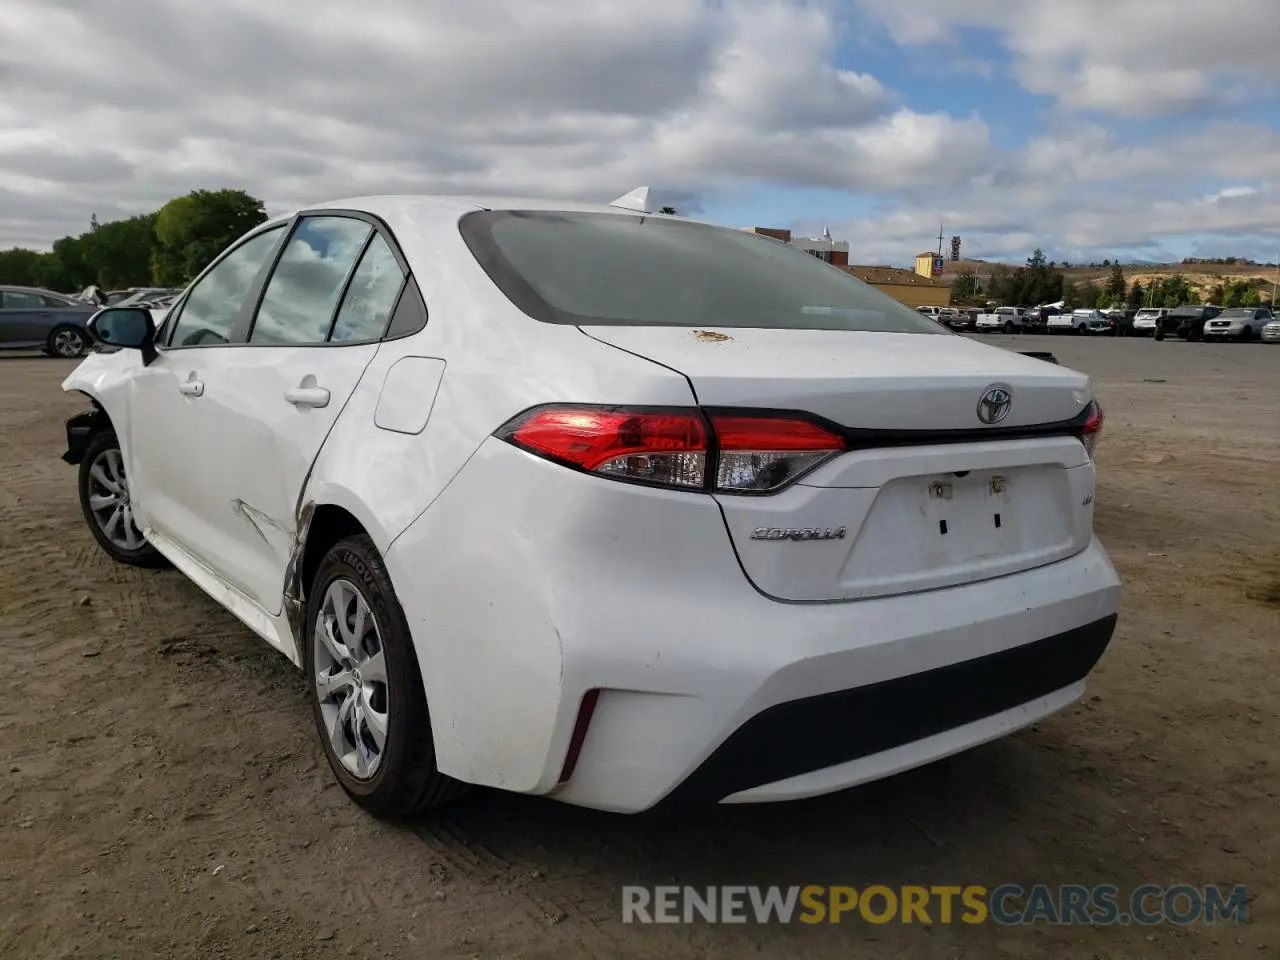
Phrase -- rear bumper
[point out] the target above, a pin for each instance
(527, 586)
(805, 747)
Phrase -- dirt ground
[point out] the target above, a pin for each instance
(162, 791)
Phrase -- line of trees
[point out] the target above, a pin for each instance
(1041, 282)
(166, 248)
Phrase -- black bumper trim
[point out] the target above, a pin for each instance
(80, 429)
(802, 736)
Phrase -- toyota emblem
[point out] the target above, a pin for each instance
(995, 404)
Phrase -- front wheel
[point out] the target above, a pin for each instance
(367, 695)
(106, 504)
(67, 342)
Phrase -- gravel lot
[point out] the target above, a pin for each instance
(162, 792)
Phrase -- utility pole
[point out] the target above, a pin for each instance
(940, 239)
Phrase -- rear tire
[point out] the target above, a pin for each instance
(67, 343)
(1008, 326)
(105, 503)
(382, 688)
(1246, 334)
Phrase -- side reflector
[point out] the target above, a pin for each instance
(585, 711)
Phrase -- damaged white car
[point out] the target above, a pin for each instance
(601, 504)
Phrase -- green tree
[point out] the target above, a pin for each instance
(191, 230)
(1070, 296)
(17, 266)
(1115, 287)
(1036, 259)
(1252, 298)
(1136, 293)
(1090, 294)
(120, 251)
(964, 287)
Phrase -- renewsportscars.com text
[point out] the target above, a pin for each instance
(1066, 904)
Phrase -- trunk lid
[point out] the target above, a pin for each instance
(915, 505)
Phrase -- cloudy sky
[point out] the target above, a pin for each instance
(1135, 128)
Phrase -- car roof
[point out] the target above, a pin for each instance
(450, 207)
(16, 288)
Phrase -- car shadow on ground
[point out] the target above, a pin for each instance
(984, 816)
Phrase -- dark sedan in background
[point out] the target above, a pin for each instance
(31, 318)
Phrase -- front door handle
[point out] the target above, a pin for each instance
(191, 388)
(308, 396)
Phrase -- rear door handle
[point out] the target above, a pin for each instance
(308, 396)
(191, 388)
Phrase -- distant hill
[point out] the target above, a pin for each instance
(1203, 276)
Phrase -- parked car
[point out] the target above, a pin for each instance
(1271, 332)
(1238, 323)
(1001, 320)
(1036, 320)
(1079, 322)
(34, 318)
(1120, 321)
(1186, 322)
(546, 536)
(1146, 319)
(962, 318)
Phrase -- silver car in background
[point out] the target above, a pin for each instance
(1271, 332)
(1238, 323)
(1146, 319)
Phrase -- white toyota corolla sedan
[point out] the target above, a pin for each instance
(604, 505)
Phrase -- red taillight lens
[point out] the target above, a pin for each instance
(1092, 428)
(668, 448)
(765, 453)
(677, 448)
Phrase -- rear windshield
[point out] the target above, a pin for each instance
(600, 268)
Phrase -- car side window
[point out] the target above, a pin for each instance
(371, 295)
(307, 283)
(21, 300)
(213, 306)
(54, 302)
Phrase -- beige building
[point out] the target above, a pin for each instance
(906, 286)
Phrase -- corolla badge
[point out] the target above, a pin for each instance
(798, 533)
(995, 404)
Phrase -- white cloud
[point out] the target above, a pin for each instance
(300, 100)
(1128, 58)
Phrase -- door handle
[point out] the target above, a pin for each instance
(191, 388)
(308, 396)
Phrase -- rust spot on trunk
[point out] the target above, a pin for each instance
(710, 336)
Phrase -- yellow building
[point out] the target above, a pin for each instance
(929, 264)
(906, 286)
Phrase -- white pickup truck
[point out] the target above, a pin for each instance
(1004, 319)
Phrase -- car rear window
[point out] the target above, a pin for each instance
(601, 268)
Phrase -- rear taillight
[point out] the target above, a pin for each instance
(668, 448)
(682, 448)
(759, 454)
(1092, 428)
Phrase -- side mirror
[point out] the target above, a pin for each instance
(128, 327)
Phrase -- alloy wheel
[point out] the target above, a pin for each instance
(68, 343)
(109, 500)
(351, 679)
